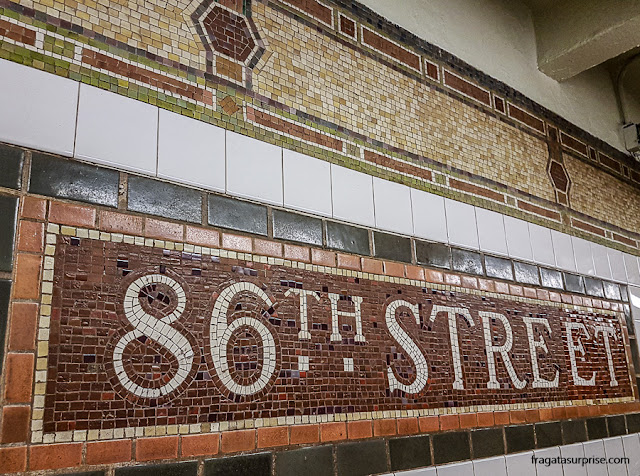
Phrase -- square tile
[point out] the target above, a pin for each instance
(520, 464)
(563, 250)
(583, 256)
(42, 109)
(117, 131)
(490, 467)
(307, 183)
(461, 224)
(541, 244)
(491, 232)
(573, 451)
(392, 202)
(601, 261)
(595, 449)
(254, 169)
(456, 469)
(631, 265)
(616, 263)
(429, 219)
(551, 470)
(631, 446)
(518, 240)
(352, 196)
(191, 151)
(613, 449)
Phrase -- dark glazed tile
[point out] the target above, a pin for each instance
(612, 291)
(548, 434)
(467, 261)
(551, 278)
(597, 428)
(433, 254)
(392, 247)
(616, 425)
(487, 442)
(88, 473)
(189, 468)
(594, 287)
(526, 273)
(519, 438)
(316, 461)
(624, 293)
(450, 447)
(573, 283)
(11, 161)
(360, 459)
(164, 199)
(409, 452)
(237, 215)
(74, 180)
(633, 422)
(498, 268)
(295, 227)
(242, 465)
(347, 238)
(5, 293)
(8, 214)
(573, 431)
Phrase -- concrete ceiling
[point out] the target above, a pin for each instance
(575, 35)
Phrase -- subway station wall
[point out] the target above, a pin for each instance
(273, 236)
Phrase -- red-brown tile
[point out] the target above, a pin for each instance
(333, 431)
(26, 284)
(108, 452)
(202, 236)
(304, 434)
(163, 230)
(56, 456)
(74, 215)
(13, 459)
(31, 236)
(273, 436)
(384, 427)
(200, 445)
(162, 447)
(35, 208)
(120, 223)
(235, 441)
(18, 378)
(358, 430)
(24, 322)
(15, 424)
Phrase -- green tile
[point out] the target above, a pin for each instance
(392, 247)
(519, 438)
(597, 428)
(433, 254)
(409, 452)
(314, 461)
(296, 227)
(242, 465)
(189, 468)
(11, 161)
(5, 294)
(574, 431)
(498, 268)
(347, 238)
(548, 434)
(451, 446)
(616, 425)
(362, 458)
(8, 216)
(487, 442)
(467, 261)
(237, 215)
(166, 200)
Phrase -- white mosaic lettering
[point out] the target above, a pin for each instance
(304, 333)
(608, 331)
(570, 327)
(159, 330)
(503, 350)
(221, 331)
(452, 313)
(534, 345)
(335, 314)
(409, 346)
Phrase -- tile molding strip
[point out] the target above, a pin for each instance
(606, 162)
(46, 288)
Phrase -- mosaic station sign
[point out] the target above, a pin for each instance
(143, 336)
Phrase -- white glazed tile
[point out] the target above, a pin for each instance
(551, 470)
(490, 467)
(601, 261)
(518, 241)
(573, 451)
(583, 256)
(520, 464)
(563, 251)
(491, 234)
(613, 449)
(631, 446)
(429, 218)
(461, 224)
(541, 244)
(616, 263)
(631, 265)
(634, 298)
(116, 130)
(417, 472)
(307, 183)
(191, 151)
(392, 202)
(595, 449)
(456, 469)
(39, 109)
(254, 169)
(352, 194)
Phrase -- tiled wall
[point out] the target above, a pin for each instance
(126, 134)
